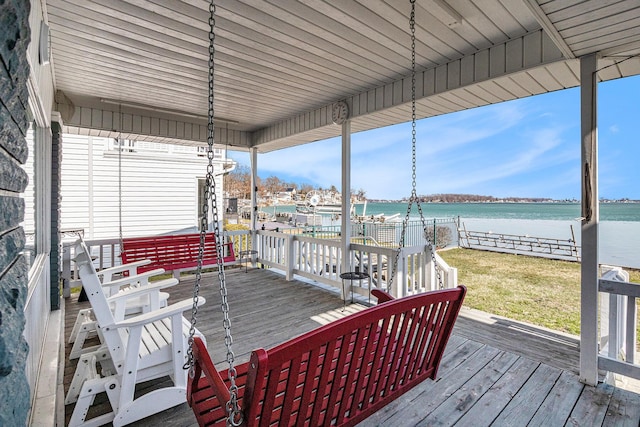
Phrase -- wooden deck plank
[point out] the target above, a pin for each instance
(456, 405)
(491, 373)
(458, 350)
(543, 345)
(591, 408)
(437, 392)
(525, 403)
(489, 406)
(624, 409)
(559, 403)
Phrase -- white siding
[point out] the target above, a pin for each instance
(29, 193)
(159, 188)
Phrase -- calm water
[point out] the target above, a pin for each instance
(528, 211)
(619, 228)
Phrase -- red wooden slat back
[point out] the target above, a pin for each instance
(338, 374)
(347, 370)
(173, 252)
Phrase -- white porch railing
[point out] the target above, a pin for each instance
(320, 259)
(313, 258)
(618, 326)
(106, 253)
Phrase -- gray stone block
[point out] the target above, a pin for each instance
(18, 113)
(14, 69)
(11, 137)
(6, 84)
(9, 33)
(14, 389)
(11, 244)
(15, 33)
(12, 176)
(11, 212)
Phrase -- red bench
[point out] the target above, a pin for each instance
(338, 374)
(174, 252)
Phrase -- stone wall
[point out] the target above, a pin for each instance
(14, 72)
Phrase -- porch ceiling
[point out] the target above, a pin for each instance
(140, 66)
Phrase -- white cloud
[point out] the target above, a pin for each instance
(463, 152)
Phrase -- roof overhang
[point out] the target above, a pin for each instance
(139, 69)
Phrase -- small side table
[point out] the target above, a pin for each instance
(351, 276)
(246, 257)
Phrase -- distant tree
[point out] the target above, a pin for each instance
(292, 185)
(360, 194)
(443, 236)
(305, 188)
(238, 182)
(273, 185)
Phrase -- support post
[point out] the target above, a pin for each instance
(590, 221)
(345, 223)
(253, 154)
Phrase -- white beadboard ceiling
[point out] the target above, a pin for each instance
(139, 67)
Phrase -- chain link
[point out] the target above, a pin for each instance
(414, 194)
(234, 414)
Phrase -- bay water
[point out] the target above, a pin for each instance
(619, 232)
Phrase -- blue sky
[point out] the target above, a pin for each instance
(524, 148)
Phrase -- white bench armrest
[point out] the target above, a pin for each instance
(132, 268)
(163, 313)
(142, 290)
(142, 277)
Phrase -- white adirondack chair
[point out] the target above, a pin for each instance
(139, 348)
(84, 327)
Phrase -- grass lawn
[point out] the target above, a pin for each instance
(530, 289)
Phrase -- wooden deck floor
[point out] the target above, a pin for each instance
(495, 371)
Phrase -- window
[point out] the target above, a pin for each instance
(217, 152)
(126, 145)
(30, 205)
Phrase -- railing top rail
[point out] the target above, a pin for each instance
(95, 242)
(376, 249)
(236, 232)
(619, 287)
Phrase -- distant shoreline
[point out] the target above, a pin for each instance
(503, 201)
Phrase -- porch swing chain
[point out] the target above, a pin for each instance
(119, 140)
(414, 194)
(234, 414)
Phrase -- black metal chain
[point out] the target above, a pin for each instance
(414, 193)
(234, 414)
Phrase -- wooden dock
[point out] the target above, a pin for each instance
(495, 371)
(547, 247)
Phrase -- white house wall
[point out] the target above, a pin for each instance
(41, 77)
(159, 188)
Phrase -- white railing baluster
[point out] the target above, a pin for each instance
(632, 327)
(620, 323)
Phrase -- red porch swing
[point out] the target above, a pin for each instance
(338, 374)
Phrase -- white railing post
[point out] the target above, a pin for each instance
(452, 278)
(431, 269)
(400, 286)
(617, 354)
(289, 256)
(614, 321)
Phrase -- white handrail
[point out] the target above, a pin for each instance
(313, 258)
